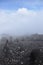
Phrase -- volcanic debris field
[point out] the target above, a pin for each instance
(16, 51)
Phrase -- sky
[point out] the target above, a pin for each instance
(21, 17)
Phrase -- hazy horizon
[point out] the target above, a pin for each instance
(21, 17)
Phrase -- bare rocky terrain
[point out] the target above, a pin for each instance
(17, 51)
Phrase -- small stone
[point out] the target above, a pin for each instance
(21, 62)
(35, 61)
(40, 49)
(38, 64)
(40, 61)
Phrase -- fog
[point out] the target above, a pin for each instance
(21, 22)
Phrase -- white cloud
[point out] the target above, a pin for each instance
(21, 21)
